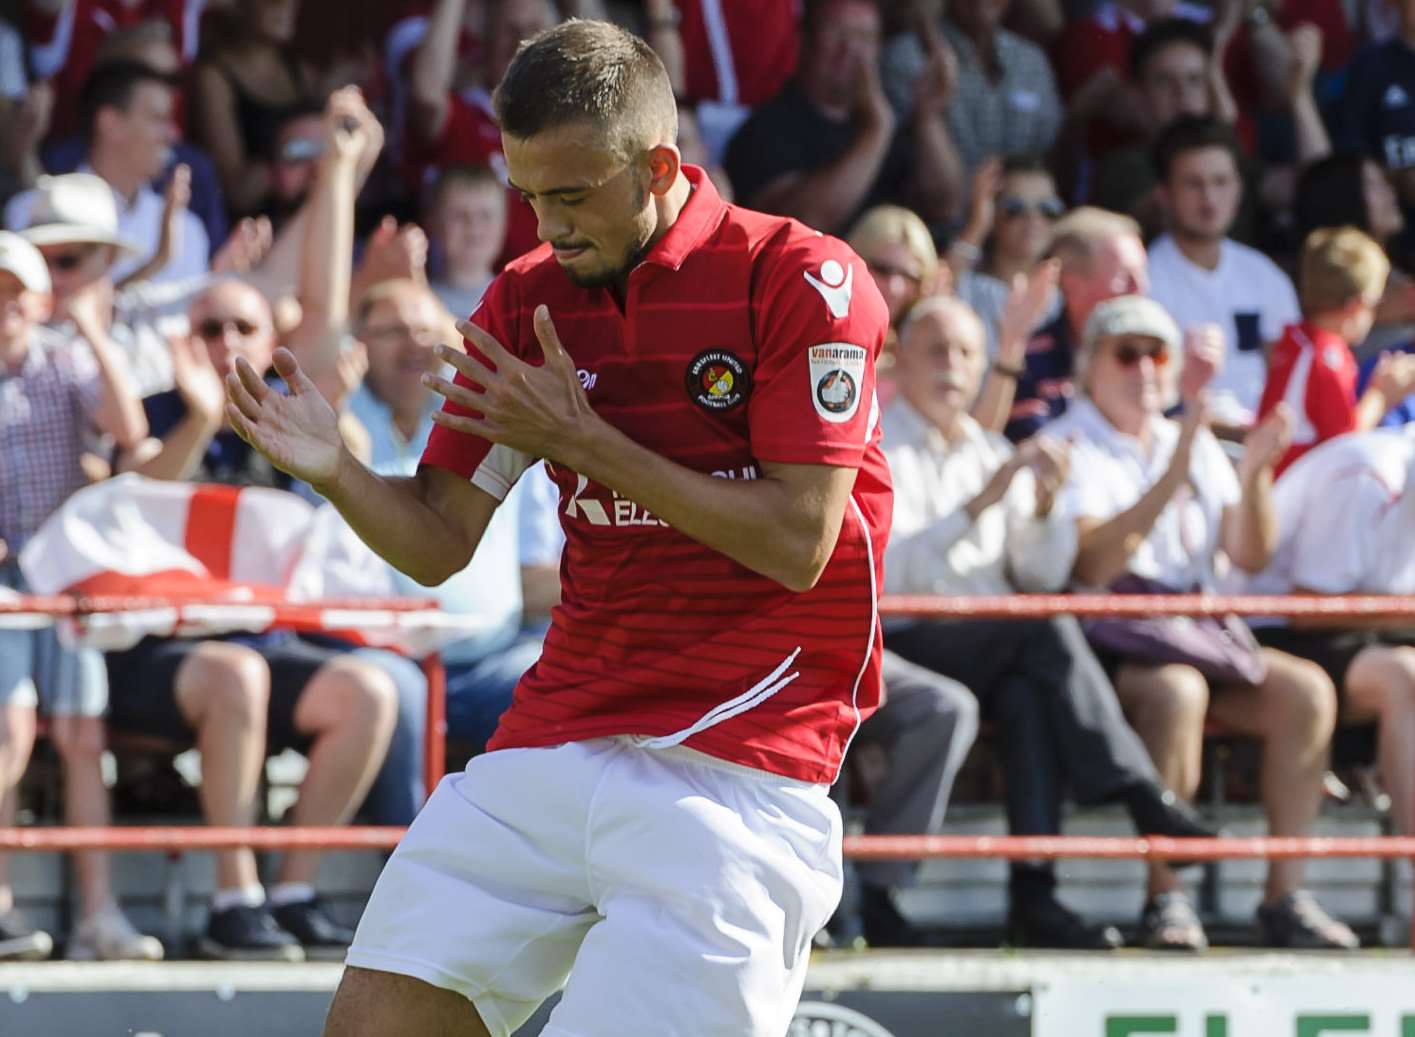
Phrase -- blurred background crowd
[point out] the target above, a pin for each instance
(1148, 268)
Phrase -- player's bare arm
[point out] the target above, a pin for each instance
(427, 526)
(783, 525)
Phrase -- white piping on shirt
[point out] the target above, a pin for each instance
(869, 641)
(749, 699)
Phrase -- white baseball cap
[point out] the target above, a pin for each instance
(75, 208)
(23, 260)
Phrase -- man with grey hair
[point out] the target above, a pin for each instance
(1101, 257)
(974, 516)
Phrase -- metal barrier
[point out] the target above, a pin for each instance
(178, 839)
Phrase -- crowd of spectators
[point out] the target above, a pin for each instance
(1148, 268)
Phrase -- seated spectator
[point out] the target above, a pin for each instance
(906, 756)
(1344, 511)
(1099, 256)
(75, 225)
(466, 227)
(54, 392)
(66, 36)
(1312, 370)
(130, 133)
(1174, 74)
(1351, 190)
(1005, 101)
(1156, 501)
(236, 698)
(1376, 115)
(899, 252)
(973, 516)
(1202, 276)
(450, 116)
(294, 163)
(826, 147)
(247, 80)
(1013, 207)
(150, 43)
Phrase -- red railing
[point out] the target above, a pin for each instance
(177, 839)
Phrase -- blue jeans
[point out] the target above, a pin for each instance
(479, 692)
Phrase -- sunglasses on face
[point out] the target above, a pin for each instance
(1128, 354)
(1012, 207)
(215, 327)
(68, 262)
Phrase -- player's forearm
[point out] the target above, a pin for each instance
(763, 524)
(396, 518)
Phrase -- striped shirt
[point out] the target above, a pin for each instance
(47, 408)
(744, 338)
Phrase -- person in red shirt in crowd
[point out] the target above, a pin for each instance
(1340, 281)
(699, 380)
(725, 57)
(450, 118)
(64, 38)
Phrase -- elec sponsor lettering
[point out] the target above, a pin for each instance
(619, 511)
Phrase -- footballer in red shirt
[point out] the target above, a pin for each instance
(651, 828)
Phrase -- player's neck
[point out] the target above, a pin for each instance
(668, 207)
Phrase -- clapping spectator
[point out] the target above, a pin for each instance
(974, 516)
(1159, 507)
(1005, 101)
(450, 116)
(128, 117)
(1202, 276)
(829, 145)
(1312, 371)
(25, 111)
(66, 37)
(1099, 256)
(247, 82)
(467, 229)
(1012, 209)
(54, 392)
(1345, 515)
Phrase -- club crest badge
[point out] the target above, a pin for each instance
(717, 380)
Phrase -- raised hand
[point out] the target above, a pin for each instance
(1394, 376)
(871, 105)
(394, 252)
(298, 433)
(982, 203)
(338, 381)
(1264, 446)
(541, 411)
(245, 248)
(1204, 347)
(997, 486)
(1306, 43)
(1028, 300)
(196, 379)
(1050, 461)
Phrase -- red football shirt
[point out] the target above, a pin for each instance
(744, 338)
(1313, 370)
(63, 47)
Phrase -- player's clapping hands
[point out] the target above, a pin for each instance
(298, 433)
(541, 411)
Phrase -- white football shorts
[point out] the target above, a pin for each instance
(677, 893)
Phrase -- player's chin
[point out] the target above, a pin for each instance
(587, 270)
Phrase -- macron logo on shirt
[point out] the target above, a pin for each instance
(835, 284)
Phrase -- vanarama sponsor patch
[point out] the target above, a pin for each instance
(837, 379)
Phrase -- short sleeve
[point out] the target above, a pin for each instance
(486, 465)
(819, 323)
(1331, 393)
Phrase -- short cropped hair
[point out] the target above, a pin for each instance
(1338, 265)
(112, 85)
(895, 225)
(1163, 33)
(1193, 133)
(462, 175)
(1076, 236)
(589, 72)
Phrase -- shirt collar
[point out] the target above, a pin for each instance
(124, 207)
(1097, 426)
(700, 216)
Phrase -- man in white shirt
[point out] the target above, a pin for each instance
(131, 130)
(973, 516)
(1346, 512)
(1201, 276)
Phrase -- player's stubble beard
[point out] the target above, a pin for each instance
(619, 272)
